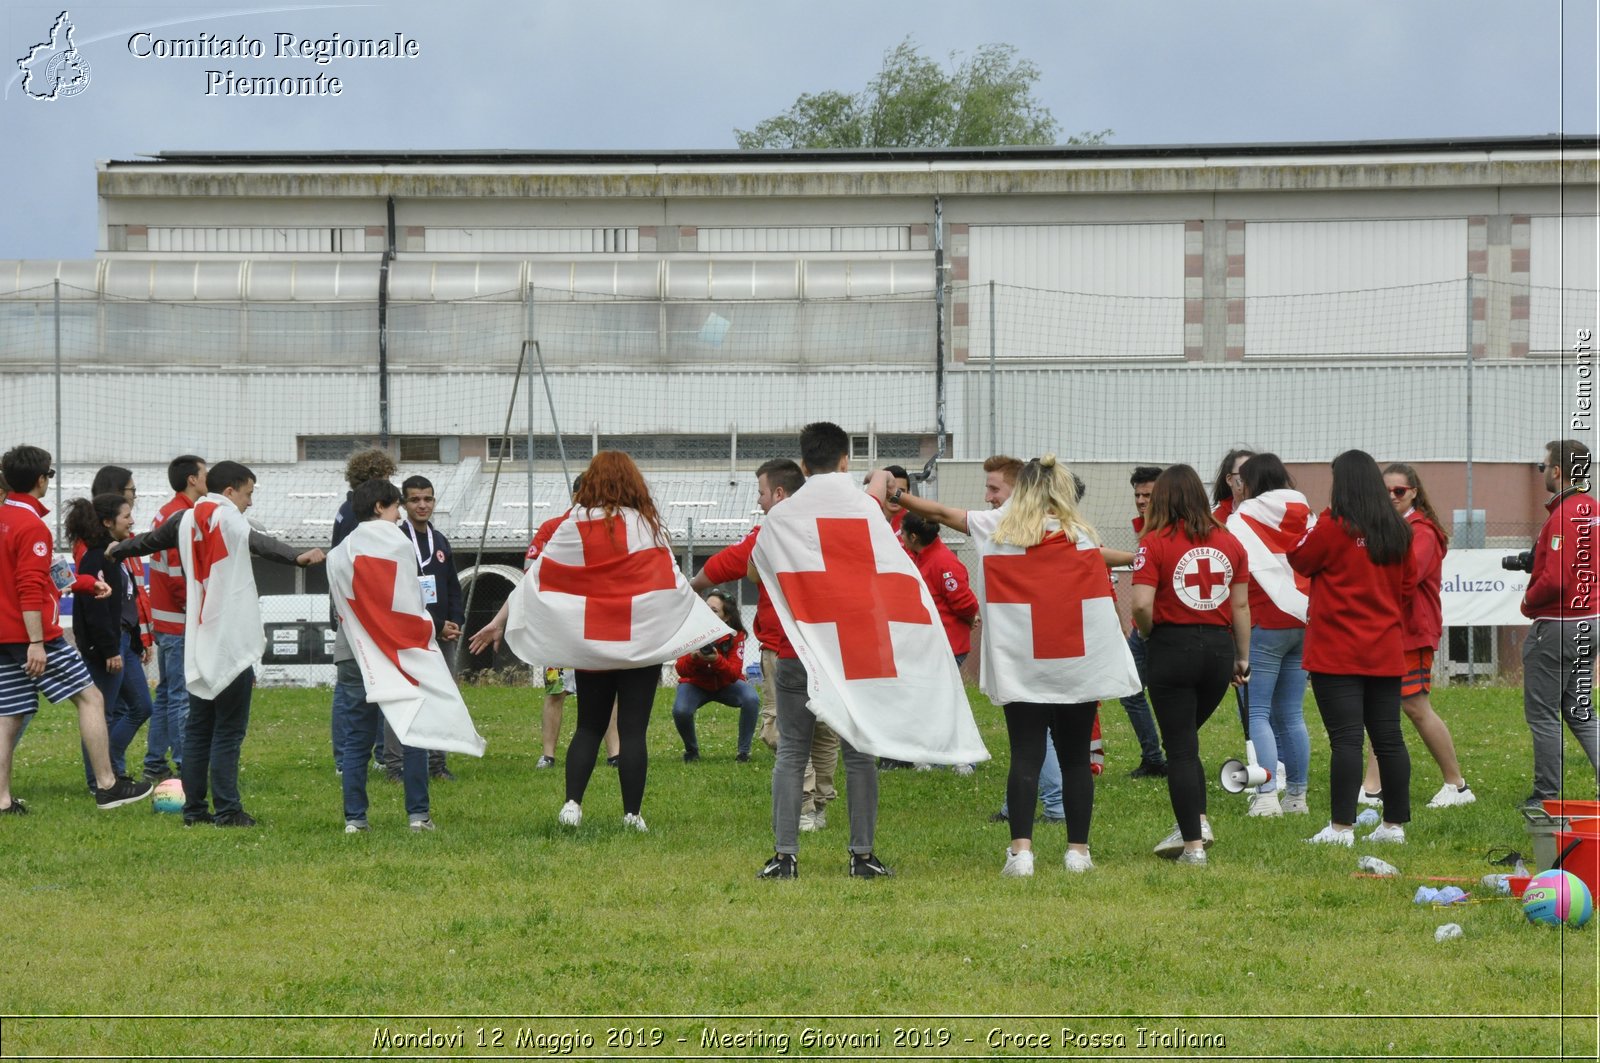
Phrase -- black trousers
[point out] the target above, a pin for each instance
(1189, 668)
(1069, 727)
(1351, 704)
(633, 691)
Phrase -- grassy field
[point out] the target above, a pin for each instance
(521, 938)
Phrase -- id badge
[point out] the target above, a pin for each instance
(430, 589)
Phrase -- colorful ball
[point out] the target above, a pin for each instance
(1557, 897)
(168, 796)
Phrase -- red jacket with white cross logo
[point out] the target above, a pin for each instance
(26, 550)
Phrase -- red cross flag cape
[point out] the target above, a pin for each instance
(607, 594)
(1269, 525)
(376, 590)
(1051, 634)
(878, 666)
(222, 616)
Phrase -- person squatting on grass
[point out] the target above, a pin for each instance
(215, 543)
(35, 658)
(106, 629)
(1269, 519)
(606, 596)
(716, 673)
(1359, 561)
(1190, 587)
(1424, 623)
(1037, 553)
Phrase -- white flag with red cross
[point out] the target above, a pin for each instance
(605, 593)
(878, 666)
(1051, 634)
(378, 594)
(222, 615)
(1269, 525)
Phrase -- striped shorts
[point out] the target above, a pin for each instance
(1419, 673)
(64, 675)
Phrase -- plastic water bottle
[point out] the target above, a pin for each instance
(1447, 932)
(1368, 818)
(1377, 867)
(1501, 884)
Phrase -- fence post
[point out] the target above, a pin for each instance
(994, 442)
(60, 455)
(1472, 656)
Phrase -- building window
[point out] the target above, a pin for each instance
(334, 448)
(419, 448)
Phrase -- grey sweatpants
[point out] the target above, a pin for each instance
(796, 725)
(1558, 662)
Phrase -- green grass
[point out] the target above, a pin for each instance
(501, 916)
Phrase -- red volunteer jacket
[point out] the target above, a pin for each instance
(946, 578)
(26, 551)
(1424, 619)
(168, 592)
(1355, 624)
(714, 673)
(731, 564)
(1563, 586)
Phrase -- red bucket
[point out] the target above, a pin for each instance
(1579, 854)
(1582, 817)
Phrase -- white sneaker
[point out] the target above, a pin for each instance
(1328, 836)
(1205, 831)
(808, 821)
(1193, 857)
(965, 769)
(571, 814)
(1387, 832)
(1018, 865)
(636, 821)
(822, 818)
(1450, 796)
(1079, 862)
(1295, 805)
(1266, 804)
(1364, 798)
(922, 766)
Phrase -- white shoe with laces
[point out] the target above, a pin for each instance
(635, 821)
(1393, 833)
(1018, 865)
(1295, 805)
(1266, 804)
(1078, 862)
(1450, 796)
(571, 814)
(1328, 836)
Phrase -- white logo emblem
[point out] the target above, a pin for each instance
(55, 69)
(1202, 577)
(41, 549)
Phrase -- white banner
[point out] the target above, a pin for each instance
(1476, 592)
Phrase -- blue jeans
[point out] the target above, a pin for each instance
(343, 693)
(1049, 786)
(212, 740)
(127, 698)
(1138, 709)
(170, 710)
(690, 698)
(1277, 694)
(362, 725)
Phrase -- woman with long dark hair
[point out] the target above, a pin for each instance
(1227, 489)
(1270, 518)
(106, 638)
(588, 600)
(1358, 559)
(716, 673)
(1047, 693)
(1424, 623)
(1191, 604)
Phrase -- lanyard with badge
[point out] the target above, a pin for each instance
(430, 584)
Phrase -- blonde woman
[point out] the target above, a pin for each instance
(1039, 557)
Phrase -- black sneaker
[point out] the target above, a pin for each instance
(161, 774)
(999, 817)
(1149, 769)
(240, 818)
(612, 762)
(782, 865)
(16, 808)
(742, 758)
(444, 775)
(202, 817)
(868, 866)
(690, 756)
(122, 792)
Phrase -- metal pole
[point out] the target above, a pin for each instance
(1472, 656)
(383, 331)
(938, 337)
(528, 325)
(59, 455)
(994, 445)
(688, 552)
(555, 423)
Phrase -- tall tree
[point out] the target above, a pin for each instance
(985, 99)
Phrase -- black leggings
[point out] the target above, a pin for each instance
(1349, 704)
(633, 690)
(1189, 667)
(1069, 728)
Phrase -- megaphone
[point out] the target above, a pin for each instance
(1237, 777)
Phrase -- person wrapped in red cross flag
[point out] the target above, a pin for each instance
(1052, 645)
(605, 597)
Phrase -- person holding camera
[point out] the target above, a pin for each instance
(1558, 656)
(716, 673)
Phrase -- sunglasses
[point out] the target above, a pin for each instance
(1542, 466)
(50, 475)
(1399, 492)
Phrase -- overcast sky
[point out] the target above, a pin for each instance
(684, 73)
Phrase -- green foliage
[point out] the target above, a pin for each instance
(984, 100)
(501, 913)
